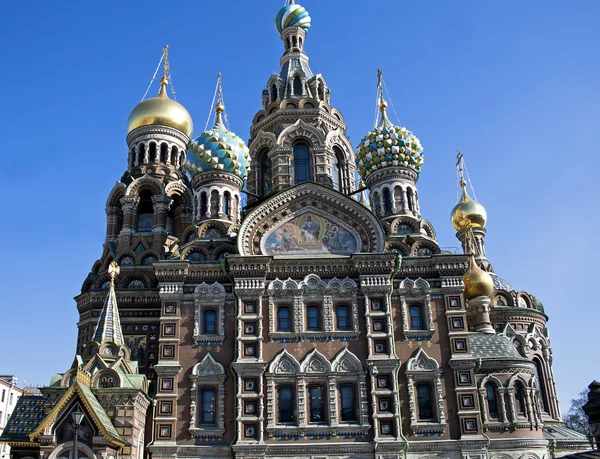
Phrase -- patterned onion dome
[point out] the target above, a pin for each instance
(468, 212)
(388, 145)
(218, 150)
(161, 110)
(292, 15)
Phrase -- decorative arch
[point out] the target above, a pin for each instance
(284, 363)
(116, 194)
(428, 229)
(422, 362)
(106, 379)
(145, 182)
(213, 292)
(312, 282)
(301, 130)
(208, 366)
(178, 188)
(315, 362)
(346, 362)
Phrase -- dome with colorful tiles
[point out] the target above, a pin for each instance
(388, 145)
(218, 150)
(292, 15)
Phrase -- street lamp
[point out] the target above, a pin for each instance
(77, 417)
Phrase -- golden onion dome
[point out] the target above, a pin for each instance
(477, 281)
(161, 110)
(468, 212)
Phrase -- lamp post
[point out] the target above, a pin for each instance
(77, 417)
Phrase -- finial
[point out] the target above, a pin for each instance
(220, 107)
(470, 240)
(460, 163)
(113, 272)
(292, 2)
(381, 102)
(164, 81)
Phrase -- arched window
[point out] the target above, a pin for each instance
(208, 406)
(424, 401)
(209, 322)
(283, 319)
(297, 86)
(492, 400)
(300, 42)
(145, 212)
(265, 183)
(273, 93)
(285, 404)
(520, 402)
(321, 90)
(387, 200)
(294, 41)
(342, 315)
(348, 402)
(317, 404)
(302, 164)
(152, 153)
(313, 318)
(164, 151)
(174, 156)
(336, 174)
(416, 317)
(538, 372)
(226, 204)
(410, 197)
(203, 204)
(141, 154)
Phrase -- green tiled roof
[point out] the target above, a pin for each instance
(492, 346)
(100, 413)
(26, 417)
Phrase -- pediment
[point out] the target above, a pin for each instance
(308, 220)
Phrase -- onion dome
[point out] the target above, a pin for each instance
(161, 110)
(468, 212)
(292, 15)
(218, 150)
(477, 281)
(388, 146)
(501, 284)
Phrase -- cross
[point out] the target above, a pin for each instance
(460, 165)
(166, 60)
(220, 89)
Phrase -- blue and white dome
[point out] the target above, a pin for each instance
(218, 150)
(292, 15)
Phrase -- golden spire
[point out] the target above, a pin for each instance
(220, 107)
(164, 81)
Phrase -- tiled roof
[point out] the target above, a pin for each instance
(109, 323)
(563, 433)
(501, 284)
(26, 417)
(99, 411)
(492, 346)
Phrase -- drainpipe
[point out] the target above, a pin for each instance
(148, 453)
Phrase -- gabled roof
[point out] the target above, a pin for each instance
(93, 407)
(26, 417)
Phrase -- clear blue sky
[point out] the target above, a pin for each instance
(514, 85)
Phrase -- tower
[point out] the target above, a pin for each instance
(297, 136)
(218, 164)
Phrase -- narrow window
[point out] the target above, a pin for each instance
(313, 316)
(416, 317)
(163, 152)
(424, 402)
(273, 93)
(409, 195)
(209, 324)
(301, 163)
(152, 153)
(226, 204)
(387, 200)
(342, 314)
(520, 399)
(266, 167)
(283, 319)
(541, 386)
(297, 86)
(492, 402)
(285, 402)
(3, 394)
(335, 174)
(348, 399)
(317, 403)
(145, 212)
(208, 402)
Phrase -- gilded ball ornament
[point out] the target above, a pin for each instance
(468, 213)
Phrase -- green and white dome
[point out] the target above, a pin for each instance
(388, 146)
(292, 15)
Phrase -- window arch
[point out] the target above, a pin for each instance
(302, 163)
(387, 200)
(342, 316)
(416, 317)
(492, 400)
(425, 402)
(313, 318)
(283, 319)
(209, 322)
(538, 372)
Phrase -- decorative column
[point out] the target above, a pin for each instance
(129, 205)
(113, 214)
(480, 311)
(161, 205)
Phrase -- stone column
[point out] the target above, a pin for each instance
(161, 205)
(113, 213)
(129, 205)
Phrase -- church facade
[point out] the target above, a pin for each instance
(315, 321)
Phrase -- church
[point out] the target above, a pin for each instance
(287, 298)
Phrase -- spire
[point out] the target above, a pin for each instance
(385, 122)
(109, 323)
(164, 81)
(220, 107)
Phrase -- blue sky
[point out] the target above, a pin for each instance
(514, 85)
